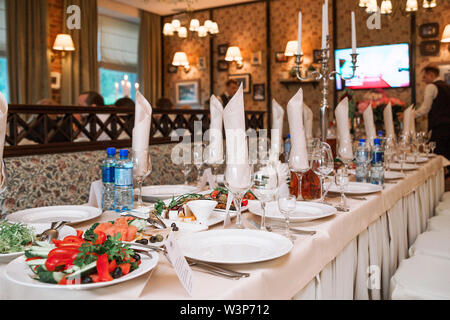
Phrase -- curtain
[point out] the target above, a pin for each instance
(80, 68)
(149, 56)
(28, 67)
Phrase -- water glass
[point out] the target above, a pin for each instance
(341, 180)
(186, 168)
(264, 187)
(238, 180)
(432, 146)
(197, 155)
(426, 149)
(286, 205)
(142, 167)
(323, 165)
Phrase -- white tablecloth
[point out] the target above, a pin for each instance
(333, 264)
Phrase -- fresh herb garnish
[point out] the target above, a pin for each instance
(14, 237)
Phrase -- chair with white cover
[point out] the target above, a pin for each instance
(421, 277)
(446, 197)
(442, 209)
(432, 243)
(439, 223)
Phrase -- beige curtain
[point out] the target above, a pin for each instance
(28, 67)
(80, 68)
(149, 56)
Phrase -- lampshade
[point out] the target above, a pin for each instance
(194, 25)
(411, 5)
(168, 29)
(208, 24)
(214, 28)
(182, 32)
(233, 54)
(176, 23)
(386, 7)
(363, 3)
(446, 34)
(180, 59)
(291, 48)
(202, 31)
(63, 42)
(372, 6)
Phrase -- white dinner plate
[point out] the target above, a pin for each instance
(234, 246)
(406, 166)
(388, 175)
(39, 228)
(356, 188)
(163, 192)
(304, 211)
(18, 272)
(73, 214)
(410, 159)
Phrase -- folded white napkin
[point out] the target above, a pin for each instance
(408, 120)
(236, 140)
(298, 157)
(207, 177)
(343, 130)
(3, 119)
(369, 124)
(141, 130)
(308, 117)
(388, 121)
(95, 194)
(277, 128)
(215, 148)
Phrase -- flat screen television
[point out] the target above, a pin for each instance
(385, 66)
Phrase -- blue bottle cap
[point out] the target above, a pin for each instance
(288, 136)
(380, 133)
(377, 142)
(123, 153)
(362, 140)
(111, 151)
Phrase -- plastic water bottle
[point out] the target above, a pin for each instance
(377, 164)
(108, 166)
(123, 183)
(362, 161)
(287, 146)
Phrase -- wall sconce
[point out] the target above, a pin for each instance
(234, 54)
(446, 36)
(63, 43)
(180, 60)
(291, 48)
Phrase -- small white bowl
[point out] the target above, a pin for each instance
(202, 209)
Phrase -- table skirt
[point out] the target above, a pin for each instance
(364, 268)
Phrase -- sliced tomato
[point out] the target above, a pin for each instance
(112, 266)
(214, 194)
(244, 202)
(125, 268)
(33, 258)
(94, 277)
(63, 281)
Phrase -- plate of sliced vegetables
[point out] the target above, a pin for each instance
(81, 262)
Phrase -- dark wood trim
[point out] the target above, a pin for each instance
(334, 45)
(412, 60)
(163, 60)
(211, 59)
(268, 66)
(118, 67)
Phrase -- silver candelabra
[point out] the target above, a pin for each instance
(325, 75)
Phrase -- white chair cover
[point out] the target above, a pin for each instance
(433, 243)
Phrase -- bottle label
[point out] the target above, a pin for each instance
(108, 174)
(124, 176)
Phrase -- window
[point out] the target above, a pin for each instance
(118, 46)
(4, 88)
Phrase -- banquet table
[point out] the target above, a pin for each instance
(352, 255)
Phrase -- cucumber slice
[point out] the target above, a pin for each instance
(48, 276)
(85, 270)
(44, 244)
(36, 262)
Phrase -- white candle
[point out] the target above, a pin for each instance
(299, 33)
(128, 88)
(324, 24)
(136, 86)
(116, 85)
(122, 84)
(353, 33)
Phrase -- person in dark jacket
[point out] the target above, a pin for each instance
(232, 87)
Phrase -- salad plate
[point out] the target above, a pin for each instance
(304, 211)
(356, 188)
(406, 166)
(73, 214)
(38, 228)
(234, 246)
(388, 175)
(17, 271)
(162, 192)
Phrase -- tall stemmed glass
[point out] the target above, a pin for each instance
(345, 152)
(264, 187)
(416, 143)
(3, 183)
(142, 167)
(286, 204)
(197, 154)
(404, 146)
(432, 146)
(238, 180)
(341, 180)
(186, 168)
(389, 151)
(323, 165)
(426, 149)
(299, 171)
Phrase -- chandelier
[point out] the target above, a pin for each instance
(208, 27)
(371, 6)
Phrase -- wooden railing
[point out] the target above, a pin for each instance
(37, 129)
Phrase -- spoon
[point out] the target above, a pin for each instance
(154, 220)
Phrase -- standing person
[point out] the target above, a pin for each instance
(436, 103)
(231, 87)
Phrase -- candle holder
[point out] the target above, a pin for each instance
(325, 75)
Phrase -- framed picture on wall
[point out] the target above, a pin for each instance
(202, 63)
(55, 80)
(444, 71)
(317, 56)
(430, 47)
(259, 92)
(429, 30)
(222, 65)
(187, 92)
(244, 78)
(171, 68)
(280, 57)
(222, 49)
(257, 58)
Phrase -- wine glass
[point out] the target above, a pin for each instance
(238, 180)
(264, 187)
(323, 165)
(389, 151)
(403, 148)
(345, 152)
(186, 168)
(286, 204)
(426, 149)
(197, 154)
(416, 143)
(432, 146)
(341, 180)
(299, 167)
(142, 167)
